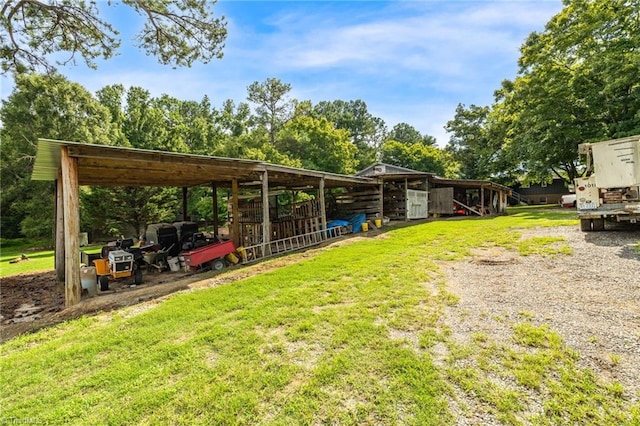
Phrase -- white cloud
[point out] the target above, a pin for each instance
(422, 41)
(410, 61)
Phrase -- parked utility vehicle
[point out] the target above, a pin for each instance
(568, 200)
(119, 264)
(612, 191)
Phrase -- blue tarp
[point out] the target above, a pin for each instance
(337, 223)
(356, 221)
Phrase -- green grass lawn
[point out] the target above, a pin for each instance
(40, 257)
(39, 254)
(326, 340)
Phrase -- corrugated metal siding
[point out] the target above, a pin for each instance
(47, 160)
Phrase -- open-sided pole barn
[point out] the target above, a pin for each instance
(407, 193)
(73, 164)
(476, 197)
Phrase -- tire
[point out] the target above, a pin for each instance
(103, 280)
(218, 264)
(585, 225)
(598, 224)
(137, 276)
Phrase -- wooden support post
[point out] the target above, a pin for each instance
(266, 220)
(426, 188)
(294, 194)
(381, 206)
(323, 209)
(185, 192)
(406, 200)
(59, 231)
(235, 213)
(481, 200)
(214, 199)
(71, 206)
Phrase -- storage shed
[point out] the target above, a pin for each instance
(405, 191)
(73, 164)
(411, 194)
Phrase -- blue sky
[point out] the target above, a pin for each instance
(410, 61)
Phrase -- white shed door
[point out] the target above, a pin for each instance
(417, 204)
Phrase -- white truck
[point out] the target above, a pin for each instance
(612, 191)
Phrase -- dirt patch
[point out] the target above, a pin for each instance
(29, 297)
(589, 297)
(493, 256)
(36, 300)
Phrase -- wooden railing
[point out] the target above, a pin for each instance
(520, 199)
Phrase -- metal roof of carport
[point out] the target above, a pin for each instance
(107, 165)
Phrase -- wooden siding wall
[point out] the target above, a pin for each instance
(295, 219)
(358, 200)
(395, 201)
(441, 201)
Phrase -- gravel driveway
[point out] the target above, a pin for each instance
(591, 298)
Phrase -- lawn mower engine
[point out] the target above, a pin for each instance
(120, 263)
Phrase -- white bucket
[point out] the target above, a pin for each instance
(89, 279)
(174, 264)
(183, 265)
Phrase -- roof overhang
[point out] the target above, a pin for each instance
(105, 165)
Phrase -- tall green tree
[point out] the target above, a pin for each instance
(406, 133)
(579, 81)
(126, 210)
(475, 147)
(317, 144)
(143, 124)
(41, 107)
(367, 132)
(112, 97)
(273, 107)
(166, 124)
(203, 136)
(233, 120)
(419, 156)
(179, 32)
(187, 125)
